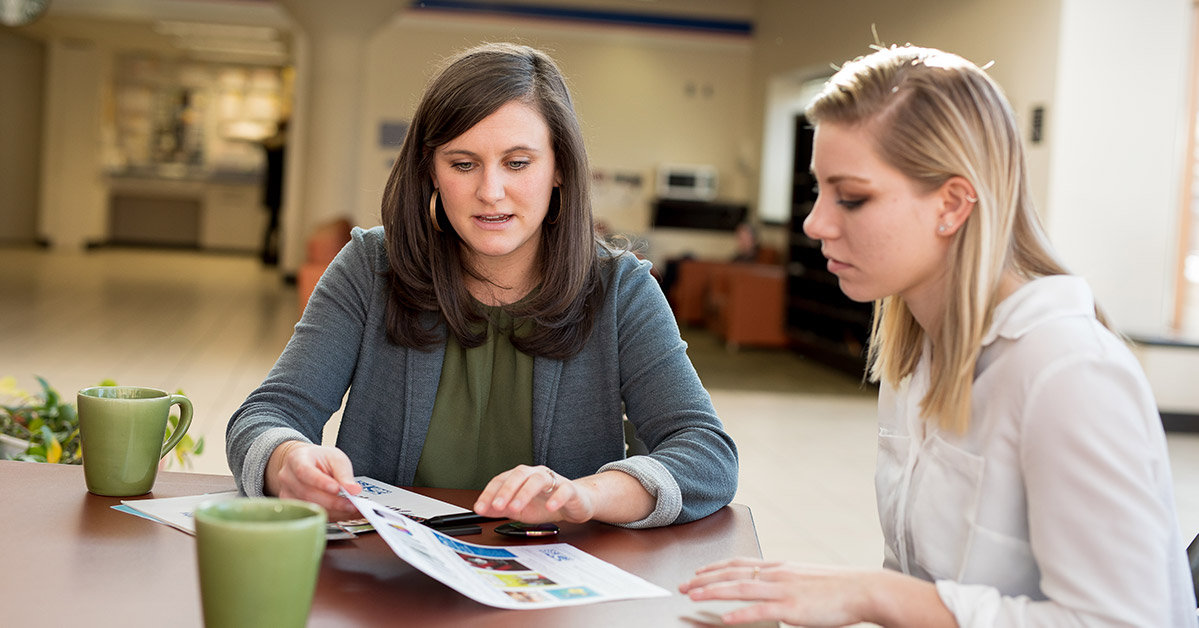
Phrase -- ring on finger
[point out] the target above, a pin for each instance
(757, 572)
(554, 479)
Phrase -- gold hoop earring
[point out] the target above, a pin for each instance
(557, 192)
(433, 211)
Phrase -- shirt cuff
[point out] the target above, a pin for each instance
(971, 604)
(660, 484)
(253, 469)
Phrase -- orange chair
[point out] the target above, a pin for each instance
(742, 302)
(746, 305)
(690, 291)
(322, 246)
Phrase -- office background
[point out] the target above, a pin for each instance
(715, 84)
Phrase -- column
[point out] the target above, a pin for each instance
(323, 155)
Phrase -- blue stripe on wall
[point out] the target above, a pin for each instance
(601, 16)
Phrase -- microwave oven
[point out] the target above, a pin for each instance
(686, 182)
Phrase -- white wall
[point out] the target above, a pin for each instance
(786, 98)
(1119, 140)
(799, 40)
(22, 66)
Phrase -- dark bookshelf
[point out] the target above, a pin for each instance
(822, 323)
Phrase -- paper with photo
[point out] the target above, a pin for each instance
(513, 577)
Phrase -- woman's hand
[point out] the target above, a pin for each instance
(536, 495)
(299, 470)
(811, 595)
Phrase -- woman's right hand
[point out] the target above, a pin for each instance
(313, 473)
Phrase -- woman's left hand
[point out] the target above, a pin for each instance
(536, 495)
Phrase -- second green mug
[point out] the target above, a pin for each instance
(122, 429)
(259, 560)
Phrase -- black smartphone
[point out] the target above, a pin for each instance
(517, 528)
(456, 519)
(460, 530)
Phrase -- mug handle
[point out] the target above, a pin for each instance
(185, 421)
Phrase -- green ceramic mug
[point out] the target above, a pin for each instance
(258, 560)
(121, 429)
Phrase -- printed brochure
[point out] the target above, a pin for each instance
(514, 577)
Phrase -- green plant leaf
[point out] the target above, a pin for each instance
(50, 424)
(53, 446)
(49, 395)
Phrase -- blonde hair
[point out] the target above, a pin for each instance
(933, 116)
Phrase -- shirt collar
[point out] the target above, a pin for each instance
(1038, 301)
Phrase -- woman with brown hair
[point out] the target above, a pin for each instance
(1022, 476)
(487, 340)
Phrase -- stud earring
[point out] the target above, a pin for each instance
(943, 228)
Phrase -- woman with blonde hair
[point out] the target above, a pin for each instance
(1022, 476)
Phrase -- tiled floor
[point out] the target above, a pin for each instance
(213, 326)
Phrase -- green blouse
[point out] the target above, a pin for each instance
(482, 421)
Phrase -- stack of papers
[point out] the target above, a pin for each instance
(177, 512)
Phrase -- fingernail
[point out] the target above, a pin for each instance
(516, 505)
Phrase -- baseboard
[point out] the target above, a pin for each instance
(1182, 422)
(1170, 366)
(92, 245)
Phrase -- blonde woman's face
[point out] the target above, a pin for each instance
(877, 229)
(495, 182)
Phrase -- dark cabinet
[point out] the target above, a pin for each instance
(822, 323)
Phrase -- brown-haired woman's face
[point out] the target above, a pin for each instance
(877, 229)
(495, 182)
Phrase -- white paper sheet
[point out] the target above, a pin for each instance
(177, 511)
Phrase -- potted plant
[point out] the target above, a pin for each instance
(44, 427)
(38, 428)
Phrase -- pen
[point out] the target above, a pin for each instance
(441, 521)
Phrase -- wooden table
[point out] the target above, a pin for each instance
(66, 557)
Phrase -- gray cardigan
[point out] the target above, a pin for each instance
(634, 357)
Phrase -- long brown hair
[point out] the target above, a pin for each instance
(933, 116)
(428, 270)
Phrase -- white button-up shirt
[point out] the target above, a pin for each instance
(1055, 507)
